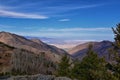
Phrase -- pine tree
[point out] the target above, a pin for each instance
(75, 70)
(116, 55)
(117, 36)
(92, 68)
(63, 66)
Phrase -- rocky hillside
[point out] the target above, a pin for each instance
(20, 61)
(35, 77)
(5, 57)
(35, 46)
(19, 55)
(101, 48)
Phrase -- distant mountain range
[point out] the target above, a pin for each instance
(18, 52)
(29, 55)
(60, 43)
(47, 40)
(101, 48)
(30, 45)
(34, 44)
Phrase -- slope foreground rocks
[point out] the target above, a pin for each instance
(36, 77)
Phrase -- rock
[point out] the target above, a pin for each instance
(37, 77)
(62, 78)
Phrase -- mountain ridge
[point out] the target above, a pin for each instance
(101, 48)
(13, 40)
(21, 42)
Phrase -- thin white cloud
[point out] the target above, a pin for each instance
(88, 6)
(64, 20)
(77, 29)
(50, 10)
(5, 13)
(67, 8)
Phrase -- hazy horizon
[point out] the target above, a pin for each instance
(84, 20)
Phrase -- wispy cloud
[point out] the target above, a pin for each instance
(67, 7)
(26, 9)
(66, 33)
(88, 6)
(64, 20)
(78, 29)
(4, 13)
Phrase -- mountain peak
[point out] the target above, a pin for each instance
(4, 33)
(10, 38)
(5, 36)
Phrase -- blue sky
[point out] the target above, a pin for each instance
(64, 19)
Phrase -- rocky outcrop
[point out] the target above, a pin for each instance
(36, 77)
(62, 78)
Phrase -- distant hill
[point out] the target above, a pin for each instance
(101, 48)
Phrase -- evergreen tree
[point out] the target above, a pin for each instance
(75, 70)
(92, 68)
(117, 36)
(63, 66)
(116, 55)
